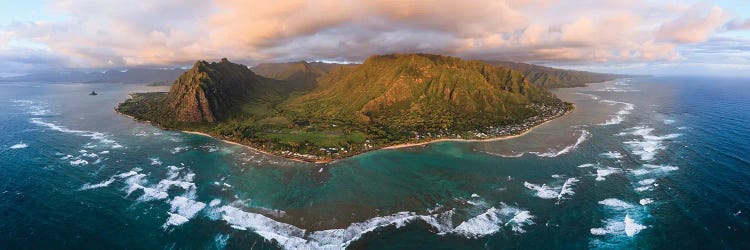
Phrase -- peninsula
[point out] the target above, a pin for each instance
(319, 112)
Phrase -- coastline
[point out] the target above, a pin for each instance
(251, 147)
(500, 138)
(397, 146)
(330, 160)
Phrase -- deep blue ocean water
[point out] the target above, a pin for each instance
(650, 163)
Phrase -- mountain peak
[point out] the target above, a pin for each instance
(207, 91)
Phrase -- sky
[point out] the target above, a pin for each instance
(617, 36)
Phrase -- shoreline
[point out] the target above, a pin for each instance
(397, 146)
(250, 147)
(500, 138)
(331, 160)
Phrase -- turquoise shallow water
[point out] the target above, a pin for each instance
(641, 163)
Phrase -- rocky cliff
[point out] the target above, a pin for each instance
(208, 91)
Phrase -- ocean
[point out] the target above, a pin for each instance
(648, 163)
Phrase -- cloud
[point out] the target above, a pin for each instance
(120, 33)
(737, 24)
(695, 25)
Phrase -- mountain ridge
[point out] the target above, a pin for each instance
(385, 101)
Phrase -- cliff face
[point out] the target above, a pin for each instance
(420, 88)
(555, 78)
(208, 91)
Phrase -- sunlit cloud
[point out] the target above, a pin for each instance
(119, 33)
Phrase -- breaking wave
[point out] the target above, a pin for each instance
(621, 222)
(19, 145)
(88, 186)
(619, 116)
(291, 237)
(649, 145)
(560, 193)
(584, 135)
(98, 136)
(33, 108)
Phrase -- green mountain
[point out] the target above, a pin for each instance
(422, 92)
(209, 91)
(304, 74)
(555, 78)
(387, 100)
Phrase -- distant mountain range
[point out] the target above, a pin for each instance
(308, 72)
(555, 78)
(109, 76)
(320, 111)
(303, 73)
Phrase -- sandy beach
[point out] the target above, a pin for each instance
(507, 137)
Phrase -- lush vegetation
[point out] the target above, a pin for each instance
(387, 100)
(555, 78)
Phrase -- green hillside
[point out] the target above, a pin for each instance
(387, 100)
(555, 78)
(304, 74)
(422, 92)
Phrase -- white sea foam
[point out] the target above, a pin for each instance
(612, 155)
(88, 186)
(669, 121)
(185, 208)
(175, 220)
(79, 162)
(159, 191)
(614, 119)
(645, 201)
(646, 182)
(602, 173)
(619, 116)
(650, 145)
(654, 169)
(643, 188)
(491, 220)
(177, 150)
(586, 165)
(128, 174)
(519, 220)
(150, 194)
(287, 235)
(619, 225)
(155, 161)
(90, 155)
(292, 237)
(19, 145)
(214, 202)
(615, 89)
(210, 148)
(33, 108)
(98, 136)
(567, 189)
(562, 192)
(616, 204)
(611, 226)
(584, 135)
(593, 97)
(542, 191)
(632, 227)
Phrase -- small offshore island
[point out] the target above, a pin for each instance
(320, 112)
